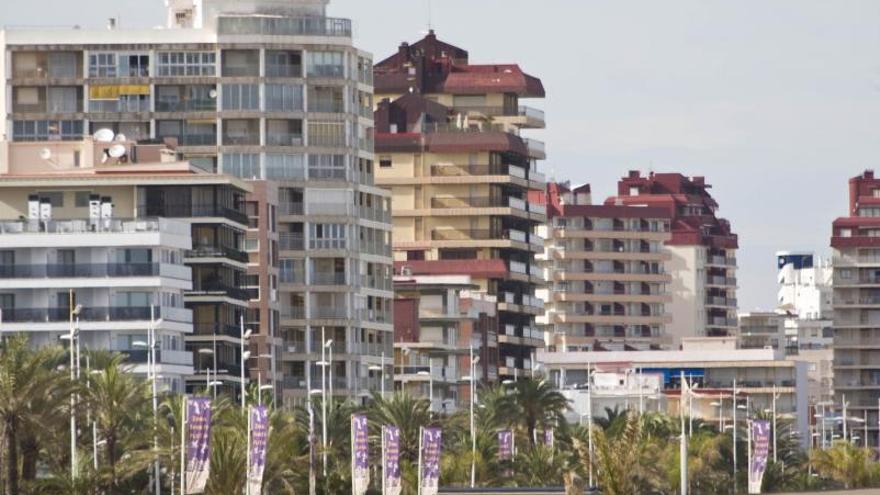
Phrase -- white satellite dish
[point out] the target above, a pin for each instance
(120, 138)
(104, 135)
(45, 154)
(117, 151)
(212, 93)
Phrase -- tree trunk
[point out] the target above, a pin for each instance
(111, 458)
(30, 452)
(11, 456)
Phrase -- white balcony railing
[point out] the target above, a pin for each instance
(518, 267)
(516, 203)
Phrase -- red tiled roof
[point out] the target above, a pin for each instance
(499, 78)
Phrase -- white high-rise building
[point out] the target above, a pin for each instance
(804, 285)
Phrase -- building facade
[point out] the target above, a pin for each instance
(137, 234)
(703, 249)
(761, 330)
(451, 149)
(260, 90)
(856, 285)
(607, 270)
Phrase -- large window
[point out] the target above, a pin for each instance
(284, 97)
(47, 130)
(102, 65)
(326, 64)
(238, 97)
(187, 64)
(327, 236)
(327, 133)
(283, 166)
(244, 165)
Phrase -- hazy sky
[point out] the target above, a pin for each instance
(776, 103)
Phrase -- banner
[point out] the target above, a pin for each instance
(505, 445)
(549, 438)
(429, 465)
(760, 437)
(360, 456)
(259, 441)
(391, 481)
(198, 444)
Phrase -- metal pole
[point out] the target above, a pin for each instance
(323, 404)
(247, 469)
(473, 428)
(382, 375)
(421, 436)
(775, 458)
(241, 321)
(843, 400)
(183, 446)
(155, 391)
(330, 374)
(72, 395)
(683, 448)
(213, 386)
(735, 483)
(590, 419)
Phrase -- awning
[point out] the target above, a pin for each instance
(113, 92)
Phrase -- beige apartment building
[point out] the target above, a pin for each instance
(451, 150)
(607, 264)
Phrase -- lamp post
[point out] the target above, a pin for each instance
(381, 370)
(260, 386)
(735, 484)
(72, 336)
(430, 376)
(590, 418)
(472, 379)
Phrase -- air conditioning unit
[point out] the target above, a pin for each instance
(406, 271)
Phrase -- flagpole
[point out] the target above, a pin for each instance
(353, 454)
(421, 437)
(683, 441)
(183, 447)
(749, 452)
(247, 469)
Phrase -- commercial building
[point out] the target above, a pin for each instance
(124, 236)
(262, 90)
(856, 284)
(703, 249)
(713, 367)
(451, 149)
(608, 268)
(440, 321)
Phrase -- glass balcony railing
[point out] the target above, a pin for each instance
(92, 314)
(80, 270)
(284, 26)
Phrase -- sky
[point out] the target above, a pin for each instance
(776, 103)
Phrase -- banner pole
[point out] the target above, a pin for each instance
(353, 455)
(421, 437)
(183, 446)
(247, 469)
(383, 460)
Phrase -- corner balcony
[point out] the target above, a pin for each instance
(537, 149)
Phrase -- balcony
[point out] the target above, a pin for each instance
(518, 267)
(114, 225)
(217, 252)
(328, 312)
(717, 321)
(537, 149)
(721, 261)
(197, 210)
(284, 139)
(321, 173)
(293, 313)
(291, 241)
(721, 301)
(218, 288)
(283, 26)
(209, 105)
(376, 282)
(327, 278)
(93, 314)
(139, 356)
(375, 215)
(80, 270)
(291, 209)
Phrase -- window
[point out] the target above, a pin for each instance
(243, 165)
(327, 236)
(81, 199)
(187, 64)
(134, 255)
(47, 130)
(327, 134)
(61, 100)
(325, 64)
(56, 198)
(7, 301)
(283, 166)
(284, 97)
(251, 245)
(134, 65)
(241, 97)
(327, 166)
(102, 65)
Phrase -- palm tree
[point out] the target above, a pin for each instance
(29, 390)
(847, 465)
(538, 404)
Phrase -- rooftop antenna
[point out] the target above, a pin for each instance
(430, 15)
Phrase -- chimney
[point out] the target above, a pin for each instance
(869, 174)
(634, 174)
(111, 24)
(699, 181)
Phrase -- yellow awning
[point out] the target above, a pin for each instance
(112, 92)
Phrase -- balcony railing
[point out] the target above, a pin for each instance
(291, 241)
(319, 278)
(196, 210)
(284, 26)
(213, 287)
(86, 314)
(217, 252)
(291, 209)
(328, 312)
(293, 313)
(375, 282)
(187, 106)
(106, 225)
(80, 270)
(195, 139)
(284, 139)
(275, 70)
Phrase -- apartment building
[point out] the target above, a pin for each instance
(856, 286)
(761, 330)
(439, 324)
(607, 265)
(259, 89)
(124, 237)
(451, 149)
(703, 249)
(806, 305)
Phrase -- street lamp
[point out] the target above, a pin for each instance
(430, 386)
(208, 352)
(381, 370)
(245, 335)
(72, 336)
(267, 386)
(472, 378)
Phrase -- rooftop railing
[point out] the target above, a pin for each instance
(284, 26)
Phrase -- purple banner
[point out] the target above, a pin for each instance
(760, 438)
(505, 445)
(198, 444)
(429, 468)
(360, 455)
(391, 481)
(259, 442)
(549, 438)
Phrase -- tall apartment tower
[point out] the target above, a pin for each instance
(451, 150)
(703, 250)
(607, 263)
(265, 90)
(856, 284)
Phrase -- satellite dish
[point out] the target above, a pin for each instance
(117, 151)
(121, 138)
(212, 93)
(45, 153)
(104, 135)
